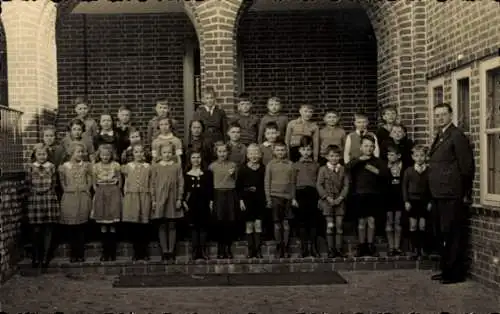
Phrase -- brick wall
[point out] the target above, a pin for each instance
(310, 57)
(12, 195)
(131, 60)
(474, 32)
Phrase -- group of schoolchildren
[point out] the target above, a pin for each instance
(229, 171)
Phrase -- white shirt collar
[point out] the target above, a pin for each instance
(335, 168)
(195, 172)
(45, 164)
(446, 127)
(359, 132)
(110, 133)
(421, 168)
(209, 109)
(267, 144)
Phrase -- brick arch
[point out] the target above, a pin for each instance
(4, 100)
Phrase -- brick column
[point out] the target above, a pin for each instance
(215, 21)
(31, 63)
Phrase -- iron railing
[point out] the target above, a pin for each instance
(11, 141)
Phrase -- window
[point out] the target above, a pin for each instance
(435, 96)
(460, 98)
(490, 131)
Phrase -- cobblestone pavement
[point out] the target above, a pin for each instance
(398, 291)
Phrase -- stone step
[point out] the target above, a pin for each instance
(215, 266)
(239, 248)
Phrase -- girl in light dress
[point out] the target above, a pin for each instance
(137, 200)
(43, 205)
(167, 186)
(76, 203)
(107, 198)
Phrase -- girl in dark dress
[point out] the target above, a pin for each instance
(107, 133)
(197, 142)
(196, 201)
(250, 186)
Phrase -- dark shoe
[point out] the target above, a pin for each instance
(278, 251)
(164, 256)
(104, 257)
(372, 250)
(229, 252)
(391, 253)
(361, 250)
(398, 252)
(45, 266)
(258, 253)
(437, 277)
(450, 281)
(220, 251)
(314, 251)
(304, 252)
(73, 259)
(171, 257)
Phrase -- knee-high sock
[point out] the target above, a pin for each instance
(370, 234)
(286, 233)
(47, 242)
(390, 239)
(397, 237)
(329, 241)
(278, 229)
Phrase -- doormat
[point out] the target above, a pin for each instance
(233, 280)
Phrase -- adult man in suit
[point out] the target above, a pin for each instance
(451, 172)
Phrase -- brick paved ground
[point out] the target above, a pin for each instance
(392, 291)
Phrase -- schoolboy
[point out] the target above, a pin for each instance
(123, 128)
(82, 112)
(306, 214)
(398, 138)
(162, 109)
(273, 115)
(369, 176)
(389, 117)
(333, 188)
(237, 151)
(279, 187)
(394, 201)
(298, 128)
(271, 135)
(353, 140)
(249, 123)
(330, 134)
(417, 199)
(213, 117)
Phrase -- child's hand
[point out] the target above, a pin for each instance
(252, 189)
(211, 205)
(186, 207)
(429, 207)
(178, 204)
(269, 204)
(330, 200)
(372, 169)
(294, 203)
(407, 206)
(231, 171)
(363, 157)
(338, 200)
(242, 205)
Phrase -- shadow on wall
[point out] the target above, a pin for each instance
(16, 146)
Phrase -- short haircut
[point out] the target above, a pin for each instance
(399, 125)
(271, 126)
(279, 144)
(76, 122)
(444, 105)
(104, 147)
(306, 141)
(162, 102)
(333, 148)
(274, 98)
(219, 144)
(393, 149)
(124, 108)
(308, 106)
(80, 100)
(360, 115)
(332, 112)
(254, 146)
(368, 138)
(388, 108)
(244, 97)
(134, 130)
(234, 125)
(49, 128)
(209, 90)
(419, 148)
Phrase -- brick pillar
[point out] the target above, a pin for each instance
(215, 21)
(31, 63)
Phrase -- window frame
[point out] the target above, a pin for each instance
(487, 199)
(456, 76)
(431, 86)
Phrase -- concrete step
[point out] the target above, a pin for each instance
(239, 248)
(222, 266)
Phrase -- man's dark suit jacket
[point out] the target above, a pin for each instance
(451, 165)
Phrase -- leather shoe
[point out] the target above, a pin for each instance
(450, 281)
(437, 277)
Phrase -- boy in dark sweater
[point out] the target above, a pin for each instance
(398, 138)
(248, 122)
(237, 151)
(279, 187)
(417, 198)
(369, 180)
(306, 214)
(383, 134)
(394, 201)
(273, 115)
